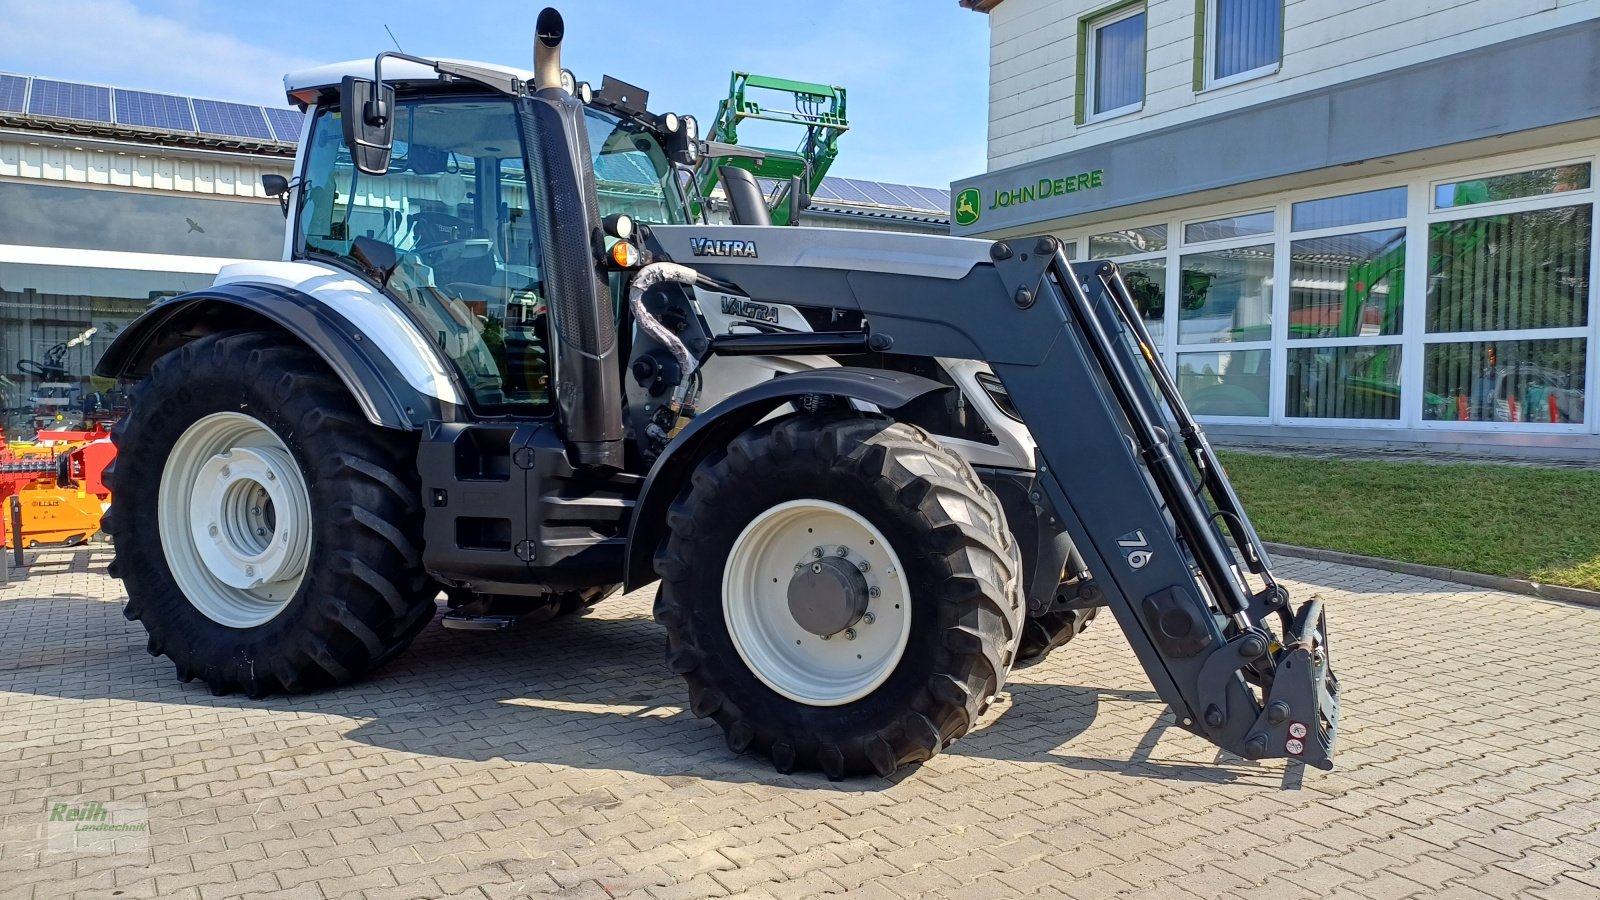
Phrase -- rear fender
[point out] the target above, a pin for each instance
(384, 394)
(714, 429)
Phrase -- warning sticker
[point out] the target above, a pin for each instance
(1297, 730)
(1294, 747)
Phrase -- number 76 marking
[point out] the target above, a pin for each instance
(1134, 550)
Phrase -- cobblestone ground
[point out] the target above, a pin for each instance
(559, 762)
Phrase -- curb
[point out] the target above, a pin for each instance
(1555, 592)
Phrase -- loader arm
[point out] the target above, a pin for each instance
(1142, 495)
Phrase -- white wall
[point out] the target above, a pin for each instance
(1033, 59)
(150, 168)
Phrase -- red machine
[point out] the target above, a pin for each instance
(52, 489)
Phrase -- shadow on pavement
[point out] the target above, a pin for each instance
(586, 692)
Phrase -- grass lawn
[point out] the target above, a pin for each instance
(1539, 524)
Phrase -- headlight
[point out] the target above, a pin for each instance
(691, 128)
(618, 225)
(998, 393)
(670, 121)
(569, 82)
(585, 93)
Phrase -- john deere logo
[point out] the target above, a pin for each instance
(967, 206)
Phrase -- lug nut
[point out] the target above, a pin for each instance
(865, 566)
(797, 568)
(849, 634)
(873, 592)
(842, 551)
(868, 618)
(816, 552)
(827, 637)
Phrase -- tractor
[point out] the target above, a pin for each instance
(870, 471)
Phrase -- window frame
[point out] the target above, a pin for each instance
(1207, 55)
(1089, 28)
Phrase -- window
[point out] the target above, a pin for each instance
(1538, 182)
(1347, 285)
(456, 211)
(1226, 383)
(82, 218)
(1111, 65)
(1148, 239)
(1226, 296)
(55, 323)
(1350, 209)
(1350, 382)
(1505, 381)
(1243, 40)
(1227, 228)
(1510, 272)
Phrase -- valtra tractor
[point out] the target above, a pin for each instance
(869, 470)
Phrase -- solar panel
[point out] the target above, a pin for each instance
(153, 110)
(67, 100)
(12, 90)
(934, 198)
(231, 120)
(875, 192)
(904, 195)
(824, 190)
(846, 191)
(285, 123)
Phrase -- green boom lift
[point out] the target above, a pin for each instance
(819, 109)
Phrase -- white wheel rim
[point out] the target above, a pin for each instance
(234, 517)
(786, 657)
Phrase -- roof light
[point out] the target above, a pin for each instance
(569, 81)
(585, 93)
(670, 121)
(691, 128)
(618, 225)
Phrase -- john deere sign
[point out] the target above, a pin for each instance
(970, 203)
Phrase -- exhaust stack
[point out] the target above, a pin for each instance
(548, 30)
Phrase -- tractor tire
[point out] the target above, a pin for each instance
(1041, 634)
(938, 605)
(267, 535)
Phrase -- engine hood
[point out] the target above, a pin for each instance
(889, 252)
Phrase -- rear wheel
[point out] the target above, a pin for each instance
(839, 593)
(266, 534)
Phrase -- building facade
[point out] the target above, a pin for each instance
(1344, 219)
(112, 199)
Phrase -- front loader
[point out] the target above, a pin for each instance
(870, 471)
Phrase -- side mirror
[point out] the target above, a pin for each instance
(367, 109)
(275, 185)
(799, 198)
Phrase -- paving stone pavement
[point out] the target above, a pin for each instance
(558, 761)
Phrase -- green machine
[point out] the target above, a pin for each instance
(817, 109)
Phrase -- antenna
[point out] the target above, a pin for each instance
(393, 38)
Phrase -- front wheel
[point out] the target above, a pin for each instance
(266, 534)
(840, 593)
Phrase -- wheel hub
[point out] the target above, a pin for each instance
(234, 514)
(827, 596)
(815, 603)
(248, 529)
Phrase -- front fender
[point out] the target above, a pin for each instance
(381, 390)
(713, 430)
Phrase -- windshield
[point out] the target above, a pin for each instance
(632, 173)
(454, 205)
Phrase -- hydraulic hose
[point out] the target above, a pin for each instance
(647, 278)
